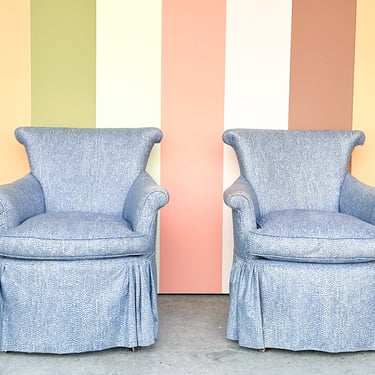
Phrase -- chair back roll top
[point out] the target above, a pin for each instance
(89, 170)
(299, 169)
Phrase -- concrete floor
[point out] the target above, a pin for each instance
(191, 341)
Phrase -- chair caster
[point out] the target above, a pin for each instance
(262, 350)
(134, 349)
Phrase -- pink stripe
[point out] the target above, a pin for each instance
(193, 62)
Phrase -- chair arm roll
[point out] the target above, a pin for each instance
(358, 199)
(20, 200)
(241, 197)
(143, 202)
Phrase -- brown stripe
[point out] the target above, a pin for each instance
(322, 64)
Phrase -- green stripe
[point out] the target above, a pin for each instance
(63, 64)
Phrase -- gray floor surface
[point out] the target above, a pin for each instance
(191, 341)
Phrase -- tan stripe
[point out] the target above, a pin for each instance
(322, 64)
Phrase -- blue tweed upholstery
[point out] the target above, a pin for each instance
(19, 201)
(77, 242)
(304, 243)
(87, 170)
(286, 168)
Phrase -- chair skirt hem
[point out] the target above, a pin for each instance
(302, 306)
(78, 306)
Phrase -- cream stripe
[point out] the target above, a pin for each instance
(257, 82)
(128, 63)
(128, 70)
(128, 66)
(128, 79)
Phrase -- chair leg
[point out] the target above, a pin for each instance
(134, 349)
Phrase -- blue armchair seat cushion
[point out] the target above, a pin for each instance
(312, 236)
(72, 235)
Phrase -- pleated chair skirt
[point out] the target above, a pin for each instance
(77, 306)
(302, 306)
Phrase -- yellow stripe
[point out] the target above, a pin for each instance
(364, 91)
(14, 85)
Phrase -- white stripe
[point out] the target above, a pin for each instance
(258, 35)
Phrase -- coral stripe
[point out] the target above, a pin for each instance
(193, 59)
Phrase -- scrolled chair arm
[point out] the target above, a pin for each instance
(358, 199)
(241, 197)
(20, 200)
(144, 200)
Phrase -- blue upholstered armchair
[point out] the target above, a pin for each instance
(77, 242)
(303, 275)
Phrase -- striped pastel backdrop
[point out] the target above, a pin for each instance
(192, 68)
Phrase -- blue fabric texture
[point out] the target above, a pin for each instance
(71, 235)
(358, 199)
(78, 306)
(302, 306)
(77, 242)
(312, 236)
(304, 243)
(19, 201)
(286, 168)
(87, 170)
